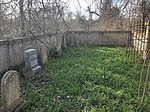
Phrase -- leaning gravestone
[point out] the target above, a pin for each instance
(10, 91)
(31, 63)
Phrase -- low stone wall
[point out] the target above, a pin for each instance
(98, 37)
(11, 51)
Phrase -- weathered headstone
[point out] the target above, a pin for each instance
(31, 63)
(43, 54)
(10, 91)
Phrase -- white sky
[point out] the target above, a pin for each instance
(80, 6)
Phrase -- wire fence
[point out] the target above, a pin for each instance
(138, 40)
(138, 46)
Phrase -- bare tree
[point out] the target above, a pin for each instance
(1, 20)
(22, 17)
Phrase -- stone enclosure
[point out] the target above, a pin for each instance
(31, 51)
(12, 51)
(118, 38)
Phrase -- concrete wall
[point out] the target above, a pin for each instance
(11, 51)
(98, 38)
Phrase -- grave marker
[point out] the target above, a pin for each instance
(31, 63)
(10, 91)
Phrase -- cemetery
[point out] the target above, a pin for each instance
(98, 76)
(74, 56)
(107, 82)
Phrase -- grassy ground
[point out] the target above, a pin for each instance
(106, 83)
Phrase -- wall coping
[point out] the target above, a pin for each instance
(98, 32)
(24, 39)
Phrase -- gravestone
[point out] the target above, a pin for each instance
(43, 54)
(10, 91)
(31, 63)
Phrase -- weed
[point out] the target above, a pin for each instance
(109, 83)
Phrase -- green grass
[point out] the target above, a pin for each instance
(106, 83)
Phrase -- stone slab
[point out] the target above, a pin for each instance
(10, 91)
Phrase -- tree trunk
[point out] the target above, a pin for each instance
(1, 33)
(22, 18)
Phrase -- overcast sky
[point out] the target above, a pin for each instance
(80, 6)
(77, 5)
